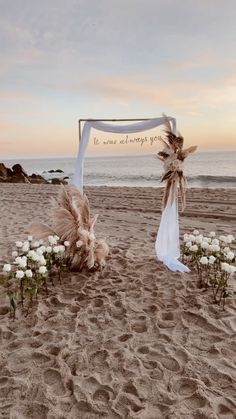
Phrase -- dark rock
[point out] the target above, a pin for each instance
(20, 178)
(3, 170)
(56, 181)
(9, 172)
(18, 170)
(55, 171)
(37, 179)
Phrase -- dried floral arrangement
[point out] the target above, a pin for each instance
(173, 156)
(72, 222)
(214, 260)
(69, 243)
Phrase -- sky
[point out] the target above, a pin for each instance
(62, 60)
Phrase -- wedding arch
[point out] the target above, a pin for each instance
(167, 242)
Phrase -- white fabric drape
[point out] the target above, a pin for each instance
(101, 126)
(167, 243)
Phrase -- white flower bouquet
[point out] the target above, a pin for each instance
(214, 260)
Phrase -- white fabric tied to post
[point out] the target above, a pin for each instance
(167, 244)
(167, 241)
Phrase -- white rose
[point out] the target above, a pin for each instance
(191, 238)
(49, 249)
(35, 244)
(224, 266)
(20, 274)
(7, 267)
(61, 248)
(229, 239)
(39, 251)
(56, 249)
(42, 270)
(215, 241)
(186, 238)
(205, 245)
(35, 257)
(230, 255)
(42, 261)
(195, 232)
(79, 243)
(23, 263)
(226, 249)
(31, 253)
(193, 248)
(40, 241)
(212, 260)
(51, 240)
(43, 248)
(30, 238)
(189, 244)
(14, 254)
(216, 248)
(19, 244)
(204, 260)
(25, 247)
(28, 273)
(212, 234)
(199, 239)
(222, 238)
(66, 243)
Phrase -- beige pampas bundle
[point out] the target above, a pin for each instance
(72, 222)
(173, 156)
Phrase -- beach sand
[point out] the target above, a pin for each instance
(133, 341)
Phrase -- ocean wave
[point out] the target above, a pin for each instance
(101, 178)
(190, 179)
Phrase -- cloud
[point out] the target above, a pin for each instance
(191, 96)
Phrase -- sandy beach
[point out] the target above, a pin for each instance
(133, 341)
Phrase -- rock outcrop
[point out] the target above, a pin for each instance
(18, 175)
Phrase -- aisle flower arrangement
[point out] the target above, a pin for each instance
(67, 243)
(214, 260)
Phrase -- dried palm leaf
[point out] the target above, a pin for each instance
(40, 230)
(167, 192)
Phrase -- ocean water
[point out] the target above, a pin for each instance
(203, 169)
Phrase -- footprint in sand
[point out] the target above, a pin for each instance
(225, 412)
(140, 325)
(40, 358)
(196, 401)
(101, 396)
(169, 363)
(185, 386)
(125, 337)
(53, 379)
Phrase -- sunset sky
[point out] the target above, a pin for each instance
(61, 60)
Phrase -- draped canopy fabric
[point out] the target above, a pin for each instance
(114, 128)
(167, 245)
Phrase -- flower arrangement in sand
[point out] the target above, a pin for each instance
(214, 260)
(72, 222)
(33, 263)
(173, 156)
(69, 243)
